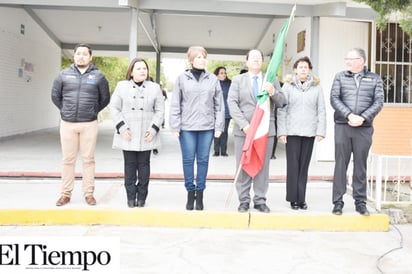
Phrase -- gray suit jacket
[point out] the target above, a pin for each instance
(242, 103)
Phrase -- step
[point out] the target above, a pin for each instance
(315, 221)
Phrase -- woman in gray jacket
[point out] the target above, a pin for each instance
(301, 121)
(197, 114)
(137, 107)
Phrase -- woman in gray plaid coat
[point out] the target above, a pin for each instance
(137, 107)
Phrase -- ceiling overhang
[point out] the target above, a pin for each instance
(228, 27)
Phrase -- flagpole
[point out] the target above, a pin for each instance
(232, 188)
(270, 76)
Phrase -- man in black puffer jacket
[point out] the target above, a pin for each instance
(80, 92)
(357, 97)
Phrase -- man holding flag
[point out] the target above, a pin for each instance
(254, 130)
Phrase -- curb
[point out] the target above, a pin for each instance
(195, 219)
(166, 176)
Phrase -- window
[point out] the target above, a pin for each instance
(394, 64)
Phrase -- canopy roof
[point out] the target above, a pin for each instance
(225, 27)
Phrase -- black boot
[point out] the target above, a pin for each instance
(199, 200)
(190, 200)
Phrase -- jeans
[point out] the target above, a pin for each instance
(195, 144)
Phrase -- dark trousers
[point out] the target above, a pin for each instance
(136, 169)
(220, 144)
(298, 155)
(275, 144)
(357, 141)
(275, 141)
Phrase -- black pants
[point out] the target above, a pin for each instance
(298, 155)
(220, 144)
(357, 141)
(275, 144)
(136, 166)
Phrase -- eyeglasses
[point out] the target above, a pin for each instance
(351, 59)
(255, 57)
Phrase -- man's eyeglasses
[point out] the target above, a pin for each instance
(351, 59)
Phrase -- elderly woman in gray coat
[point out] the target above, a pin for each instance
(300, 122)
(137, 108)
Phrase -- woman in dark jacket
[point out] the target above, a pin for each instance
(221, 142)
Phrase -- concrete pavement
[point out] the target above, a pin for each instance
(165, 238)
(157, 250)
(166, 207)
(38, 156)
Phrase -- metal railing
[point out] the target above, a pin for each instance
(389, 180)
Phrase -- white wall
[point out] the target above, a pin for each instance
(29, 63)
(290, 53)
(291, 48)
(337, 36)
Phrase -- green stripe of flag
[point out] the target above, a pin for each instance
(277, 55)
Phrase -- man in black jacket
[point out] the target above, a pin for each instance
(357, 97)
(80, 92)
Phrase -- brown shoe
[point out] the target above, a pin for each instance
(90, 200)
(62, 201)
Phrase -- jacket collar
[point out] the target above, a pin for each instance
(189, 75)
(90, 68)
(363, 72)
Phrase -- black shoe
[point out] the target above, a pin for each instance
(337, 209)
(190, 200)
(243, 207)
(199, 200)
(131, 203)
(294, 205)
(361, 208)
(155, 151)
(216, 154)
(140, 203)
(303, 205)
(225, 154)
(273, 157)
(262, 208)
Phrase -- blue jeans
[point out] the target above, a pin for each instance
(195, 144)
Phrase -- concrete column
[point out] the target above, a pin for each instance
(314, 48)
(158, 59)
(133, 33)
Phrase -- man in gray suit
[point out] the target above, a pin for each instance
(242, 104)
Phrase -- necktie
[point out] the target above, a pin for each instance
(255, 86)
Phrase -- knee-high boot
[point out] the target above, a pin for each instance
(199, 200)
(190, 200)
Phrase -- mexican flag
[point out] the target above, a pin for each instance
(254, 148)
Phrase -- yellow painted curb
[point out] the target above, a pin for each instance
(192, 219)
(141, 217)
(325, 222)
